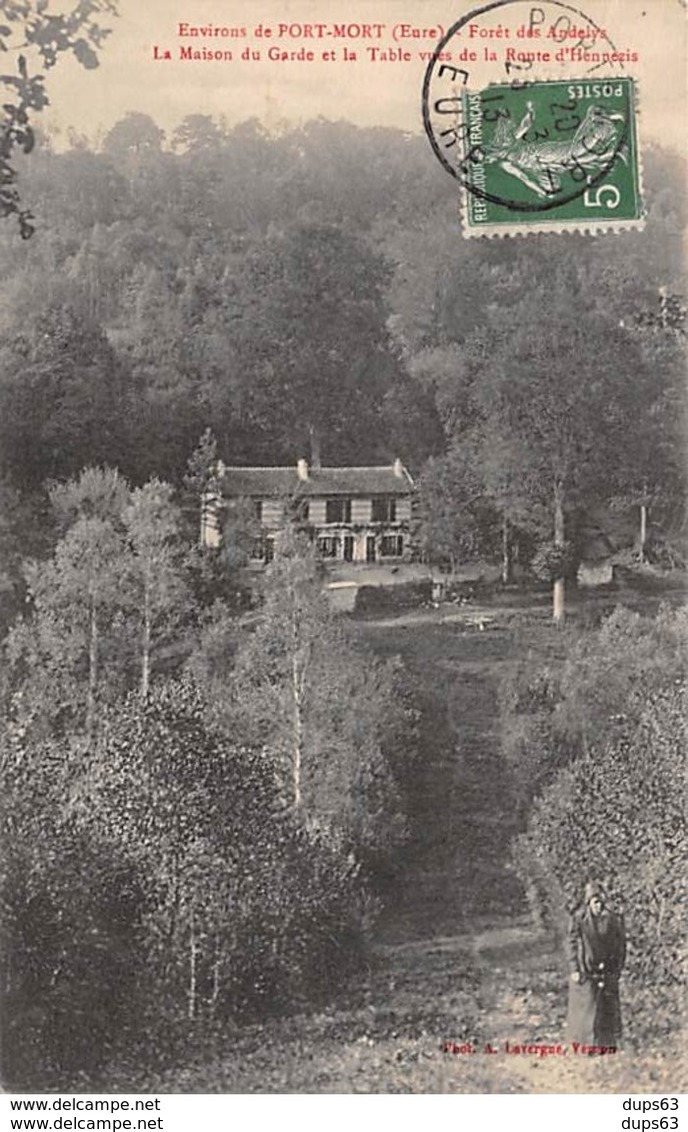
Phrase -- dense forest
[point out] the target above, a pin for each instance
(278, 289)
(196, 801)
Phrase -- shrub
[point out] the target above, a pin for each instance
(163, 880)
(552, 561)
(384, 599)
(71, 957)
(292, 680)
(552, 713)
(617, 813)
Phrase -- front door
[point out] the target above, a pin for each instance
(370, 548)
(348, 548)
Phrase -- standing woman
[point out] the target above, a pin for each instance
(596, 951)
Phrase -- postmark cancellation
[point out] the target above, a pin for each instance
(553, 150)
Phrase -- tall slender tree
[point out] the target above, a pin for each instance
(153, 525)
(555, 393)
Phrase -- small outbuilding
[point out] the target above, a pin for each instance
(596, 567)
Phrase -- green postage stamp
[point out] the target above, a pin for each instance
(549, 156)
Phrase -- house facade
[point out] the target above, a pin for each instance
(357, 515)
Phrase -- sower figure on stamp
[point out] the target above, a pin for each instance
(596, 952)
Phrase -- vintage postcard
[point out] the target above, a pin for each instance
(343, 486)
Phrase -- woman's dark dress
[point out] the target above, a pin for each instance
(597, 951)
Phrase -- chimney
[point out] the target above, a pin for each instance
(302, 470)
(398, 469)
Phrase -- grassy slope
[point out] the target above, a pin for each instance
(456, 957)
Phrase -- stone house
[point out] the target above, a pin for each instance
(356, 515)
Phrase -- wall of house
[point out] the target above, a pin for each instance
(317, 513)
(272, 519)
(595, 574)
(360, 510)
(404, 509)
(210, 527)
(272, 515)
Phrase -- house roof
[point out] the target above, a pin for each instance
(391, 479)
(596, 547)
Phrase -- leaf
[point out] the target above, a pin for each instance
(85, 54)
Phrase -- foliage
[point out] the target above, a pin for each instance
(551, 561)
(156, 588)
(617, 814)
(98, 493)
(553, 713)
(111, 599)
(169, 859)
(29, 27)
(326, 712)
(456, 522)
(63, 395)
(180, 289)
(315, 275)
(240, 531)
(565, 432)
(71, 652)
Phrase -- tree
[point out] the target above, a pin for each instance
(200, 480)
(41, 36)
(555, 395)
(651, 470)
(328, 715)
(456, 522)
(509, 479)
(25, 533)
(308, 322)
(197, 134)
(113, 591)
(157, 591)
(557, 711)
(155, 887)
(134, 136)
(79, 598)
(98, 493)
(63, 394)
(275, 669)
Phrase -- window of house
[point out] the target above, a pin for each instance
(328, 547)
(258, 509)
(263, 550)
(384, 509)
(391, 546)
(338, 510)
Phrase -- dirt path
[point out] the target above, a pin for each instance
(454, 874)
(501, 985)
(456, 959)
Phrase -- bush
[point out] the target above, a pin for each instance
(157, 886)
(552, 561)
(387, 599)
(617, 813)
(71, 958)
(552, 713)
(292, 679)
